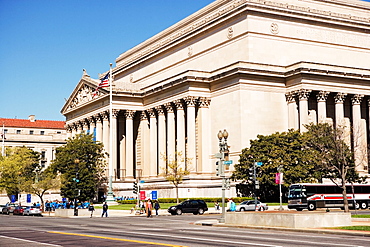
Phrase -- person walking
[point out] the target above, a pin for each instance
(148, 208)
(156, 207)
(91, 209)
(105, 210)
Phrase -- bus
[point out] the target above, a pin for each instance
(313, 196)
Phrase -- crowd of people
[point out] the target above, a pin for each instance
(120, 198)
(52, 205)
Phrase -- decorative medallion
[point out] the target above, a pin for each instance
(230, 33)
(274, 28)
(190, 51)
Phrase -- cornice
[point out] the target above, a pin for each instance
(223, 8)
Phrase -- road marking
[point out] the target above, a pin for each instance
(117, 239)
(30, 241)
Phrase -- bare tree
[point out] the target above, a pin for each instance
(174, 171)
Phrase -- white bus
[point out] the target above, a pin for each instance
(312, 196)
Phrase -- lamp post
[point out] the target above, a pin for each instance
(222, 137)
(280, 170)
(75, 210)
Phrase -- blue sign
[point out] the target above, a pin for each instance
(259, 163)
(154, 195)
(12, 198)
(64, 199)
(142, 181)
(28, 198)
(228, 162)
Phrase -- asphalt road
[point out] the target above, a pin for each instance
(156, 231)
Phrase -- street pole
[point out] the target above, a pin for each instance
(255, 186)
(280, 168)
(222, 136)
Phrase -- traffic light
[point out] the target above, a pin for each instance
(226, 154)
(135, 189)
(251, 174)
(217, 168)
(227, 183)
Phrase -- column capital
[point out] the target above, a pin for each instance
(91, 119)
(339, 98)
(143, 116)
(169, 107)
(191, 100)
(357, 99)
(160, 110)
(290, 97)
(204, 102)
(322, 96)
(151, 112)
(304, 94)
(179, 104)
(85, 122)
(115, 113)
(129, 114)
(105, 115)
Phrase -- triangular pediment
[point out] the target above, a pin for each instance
(84, 92)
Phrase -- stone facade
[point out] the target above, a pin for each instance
(248, 66)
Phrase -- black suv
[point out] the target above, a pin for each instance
(189, 206)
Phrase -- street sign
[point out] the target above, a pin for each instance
(28, 198)
(259, 163)
(142, 181)
(154, 195)
(228, 162)
(218, 155)
(142, 195)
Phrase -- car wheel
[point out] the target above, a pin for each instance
(311, 206)
(261, 209)
(299, 209)
(201, 211)
(178, 211)
(364, 205)
(242, 209)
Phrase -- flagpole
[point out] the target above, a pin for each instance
(110, 189)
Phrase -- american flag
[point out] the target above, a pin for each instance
(104, 82)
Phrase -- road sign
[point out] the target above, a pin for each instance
(228, 162)
(218, 155)
(259, 163)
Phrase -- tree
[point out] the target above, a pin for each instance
(337, 159)
(285, 150)
(80, 163)
(17, 168)
(174, 172)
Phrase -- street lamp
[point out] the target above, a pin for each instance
(222, 137)
(75, 210)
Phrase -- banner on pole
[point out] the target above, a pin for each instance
(142, 195)
(279, 178)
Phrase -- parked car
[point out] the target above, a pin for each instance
(189, 206)
(1, 208)
(9, 208)
(249, 206)
(32, 210)
(18, 210)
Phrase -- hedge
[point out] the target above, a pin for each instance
(206, 199)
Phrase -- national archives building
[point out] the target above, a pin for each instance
(248, 66)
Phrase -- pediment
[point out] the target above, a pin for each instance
(84, 92)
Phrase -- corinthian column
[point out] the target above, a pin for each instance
(129, 143)
(99, 128)
(105, 117)
(359, 133)
(191, 147)
(204, 162)
(303, 96)
(170, 131)
(339, 99)
(321, 106)
(153, 143)
(161, 138)
(293, 119)
(113, 155)
(180, 141)
(145, 144)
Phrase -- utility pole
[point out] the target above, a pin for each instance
(222, 136)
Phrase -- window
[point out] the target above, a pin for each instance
(31, 132)
(5, 131)
(59, 132)
(42, 132)
(18, 132)
(43, 154)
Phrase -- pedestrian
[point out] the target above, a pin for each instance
(217, 206)
(142, 207)
(105, 209)
(156, 207)
(148, 207)
(92, 209)
(232, 205)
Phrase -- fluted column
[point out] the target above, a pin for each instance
(153, 143)
(303, 96)
(293, 119)
(92, 126)
(74, 129)
(170, 131)
(180, 141)
(145, 144)
(161, 138)
(359, 134)
(339, 99)
(99, 128)
(204, 162)
(80, 127)
(113, 155)
(129, 143)
(191, 145)
(85, 126)
(105, 117)
(321, 106)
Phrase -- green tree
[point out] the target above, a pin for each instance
(336, 157)
(174, 172)
(16, 168)
(285, 150)
(80, 163)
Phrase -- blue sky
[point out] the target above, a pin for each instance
(45, 44)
